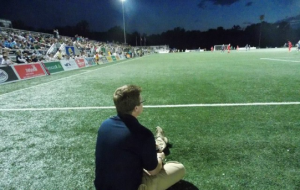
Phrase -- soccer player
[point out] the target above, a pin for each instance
(290, 45)
(228, 48)
(96, 57)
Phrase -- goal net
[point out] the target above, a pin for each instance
(219, 47)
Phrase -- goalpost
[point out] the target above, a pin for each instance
(219, 47)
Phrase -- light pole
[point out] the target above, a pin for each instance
(261, 18)
(124, 21)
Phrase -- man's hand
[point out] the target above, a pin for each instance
(161, 155)
(160, 158)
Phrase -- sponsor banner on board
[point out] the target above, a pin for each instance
(109, 59)
(103, 59)
(90, 60)
(7, 74)
(80, 62)
(69, 64)
(114, 58)
(70, 50)
(53, 67)
(122, 56)
(26, 71)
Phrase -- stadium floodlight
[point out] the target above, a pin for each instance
(124, 20)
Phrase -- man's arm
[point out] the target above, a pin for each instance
(160, 158)
(21, 60)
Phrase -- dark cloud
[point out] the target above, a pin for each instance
(293, 21)
(203, 3)
(249, 4)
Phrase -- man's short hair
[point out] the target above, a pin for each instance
(126, 98)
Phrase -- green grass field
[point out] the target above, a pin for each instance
(207, 104)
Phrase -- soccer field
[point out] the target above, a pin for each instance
(233, 120)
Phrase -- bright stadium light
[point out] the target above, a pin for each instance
(124, 21)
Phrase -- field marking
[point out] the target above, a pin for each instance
(67, 77)
(155, 106)
(280, 60)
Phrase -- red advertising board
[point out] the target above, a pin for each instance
(29, 70)
(80, 62)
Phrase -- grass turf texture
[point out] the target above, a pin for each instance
(247, 147)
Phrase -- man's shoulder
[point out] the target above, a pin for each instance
(144, 132)
(111, 119)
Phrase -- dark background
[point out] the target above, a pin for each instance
(179, 24)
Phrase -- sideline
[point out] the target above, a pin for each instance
(125, 61)
(280, 60)
(156, 106)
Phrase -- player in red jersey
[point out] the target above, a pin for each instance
(228, 48)
(290, 46)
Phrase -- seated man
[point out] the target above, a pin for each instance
(19, 58)
(5, 61)
(34, 58)
(127, 155)
(27, 58)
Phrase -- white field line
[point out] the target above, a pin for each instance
(67, 77)
(155, 106)
(280, 60)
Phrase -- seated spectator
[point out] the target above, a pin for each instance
(19, 58)
(83, 54)
(22, 45)
(49, 57)
(58, 55)
(1, 43)
(72, 55)
(36, 45)
(67, 57)
(13, 44)
(6, 61)
(27, 58)
(34, 58)
(6, 43)
(22, 38)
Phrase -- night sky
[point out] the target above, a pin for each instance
(149, 16)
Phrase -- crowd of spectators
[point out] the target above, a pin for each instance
(21, 47)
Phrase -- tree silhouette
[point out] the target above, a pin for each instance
(269, 35)
(82, 28)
